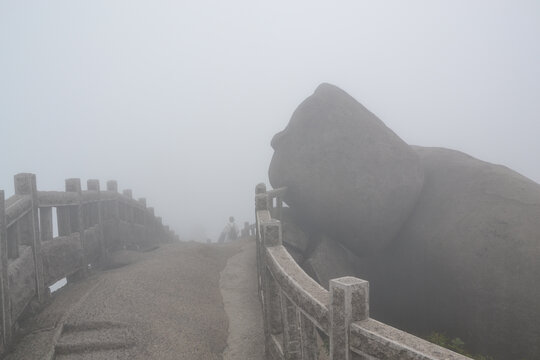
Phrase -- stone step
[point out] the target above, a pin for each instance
(94, 337)
(92, 325)
(122, 354)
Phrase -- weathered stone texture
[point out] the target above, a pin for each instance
(91, 244)
(346, 173)
(22, 280)
(466, 261)
(61, 256)
(329, 260)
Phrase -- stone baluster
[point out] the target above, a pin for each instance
(77, 223)
(93, 185)
(114, 238)
(46, 223)
(308, 335)
(143, 218)
(25, 184)
(292, 348)
(349, 302)
(5, 304)
(271, 236)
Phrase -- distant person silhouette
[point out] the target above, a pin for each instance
(230, 232)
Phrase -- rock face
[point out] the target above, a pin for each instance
(449, 243)
(346, 172)
(467, 260)
(329, 260)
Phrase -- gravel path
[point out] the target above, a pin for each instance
(165, 304)
(238, 284)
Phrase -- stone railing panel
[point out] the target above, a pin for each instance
(22, 281)
(57, 198)
(90, 223)
(296, 309)
(306, 293)
(373, 339)
(92, 247)
(62, 256)
(17, 206)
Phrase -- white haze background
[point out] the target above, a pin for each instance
(179, 100)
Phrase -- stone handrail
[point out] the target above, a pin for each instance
(91, 224)
(298, 313)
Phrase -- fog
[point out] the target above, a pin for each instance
(179, 100)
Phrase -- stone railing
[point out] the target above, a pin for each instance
(91, 223)
(302, 320)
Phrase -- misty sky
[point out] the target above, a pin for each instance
(178, 100)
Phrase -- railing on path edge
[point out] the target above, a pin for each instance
(90, 224)
(296, 308)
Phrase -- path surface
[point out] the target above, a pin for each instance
(165, 304)
(238, 285)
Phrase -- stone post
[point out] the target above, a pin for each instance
(5, 307)
(261, 204)
(114, 238)
(349, 302)
(25, 184)
(77, 222)
(260, 188)
(93, 185)
(271, 236)
(292, 348)
(144, 220)
(112, 185)
(308, 335)
(159, 228)
(64, 222)
(46, 222)
(128, 193)
(245, 231)
(129, 212)
(152, 222)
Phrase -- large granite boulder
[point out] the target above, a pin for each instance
(467, 261)
(347, 173)
(328, 260)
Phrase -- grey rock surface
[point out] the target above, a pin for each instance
(346, 172)
(295, 237)
(329, 260)
(466, 262)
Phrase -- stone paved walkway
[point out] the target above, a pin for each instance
(164, 304)
(238, 285)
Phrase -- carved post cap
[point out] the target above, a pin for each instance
(112, 185)
(73, 185)
(271, 231)
(128, 193)
(92, 185)
(261, 202)
(25, 183)
(356, 292)
(260, 188)
(349, 302)
(142, 201)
